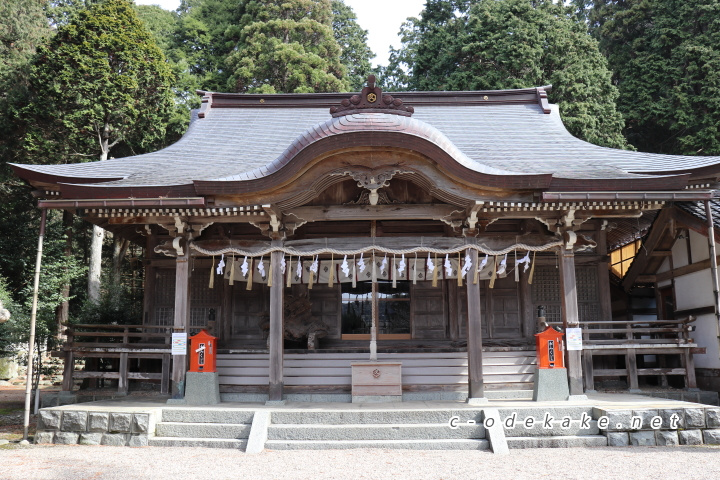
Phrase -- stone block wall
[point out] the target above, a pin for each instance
(83, 427)
(664, 426)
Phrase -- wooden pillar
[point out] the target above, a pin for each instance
(123, 375)
(631, 367)
(275, 342)
(181, 318)
(713, 263)
(476, 388)
(149, 287)
(451, 291)
(603, 270)
(570, 316)
(527, 310)
(165, 375)
(69, 368)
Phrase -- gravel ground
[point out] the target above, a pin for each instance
(85, 462)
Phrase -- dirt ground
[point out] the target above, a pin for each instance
(12, 409)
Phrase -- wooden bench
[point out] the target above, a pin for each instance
(630, 338)
(122, 342)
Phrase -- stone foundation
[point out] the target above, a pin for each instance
(66, 427)
(664, 426)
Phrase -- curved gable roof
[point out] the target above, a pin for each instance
(504, 136)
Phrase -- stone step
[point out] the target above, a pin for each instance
(559, 441)
(447, 444)
(573, 411)
(202, 430)
(207, 415)
(332, 433)
(197, 442)
(374, 417)
(539, 430)
(557, 420)
(509, 394)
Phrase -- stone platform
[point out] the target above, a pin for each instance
(602, 419)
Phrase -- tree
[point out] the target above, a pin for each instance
(286, 46)
(100, 83)
(395, 77)
(439, 45)
(23, 26)
(488, 44)
(665, 55)
(208, 32)
(165, 26)
(355, 54)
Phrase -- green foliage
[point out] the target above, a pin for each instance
(164, 26)
(23, 26)
(60, 12)
(8, 303)
(219, 43)
(488, 44)
(57, 269)
(355, 54)
(395, 77)
(116, 306)
(439, 56)
(665, 55)
(101, 81)
(286, 46)
(207, 32)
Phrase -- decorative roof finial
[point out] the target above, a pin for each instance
(371, 100)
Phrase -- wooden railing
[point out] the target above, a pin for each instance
(122, 342)
(630, 338)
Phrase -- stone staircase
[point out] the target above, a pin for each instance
(422, 429)
(406, 429)
(203, 427)
(568, 427)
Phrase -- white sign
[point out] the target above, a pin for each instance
(573, 338)
(179, 343)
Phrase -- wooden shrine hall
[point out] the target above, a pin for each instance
(307, 231)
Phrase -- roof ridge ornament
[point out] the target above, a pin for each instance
(371, 100)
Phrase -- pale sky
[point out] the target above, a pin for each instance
(381, 18)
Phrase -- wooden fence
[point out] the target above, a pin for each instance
(630, 338)
(122, 342)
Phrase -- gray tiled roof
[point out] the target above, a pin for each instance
(237, 143)
(698, 209)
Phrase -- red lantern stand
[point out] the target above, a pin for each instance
(551, 381)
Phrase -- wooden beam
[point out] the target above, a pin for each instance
(684, 270)
(649, 245)
(276, 330)
(692, 222)
(376, 212)
(170, 219)
(646, 279)
(476, 388)
(570, 316)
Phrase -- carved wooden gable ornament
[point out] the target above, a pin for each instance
(371, 100)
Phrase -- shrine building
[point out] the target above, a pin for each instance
(431, 229)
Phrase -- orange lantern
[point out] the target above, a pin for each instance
(203, 350)
(550, 351)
